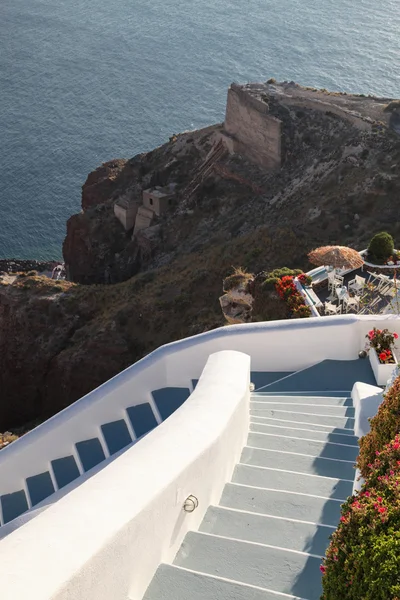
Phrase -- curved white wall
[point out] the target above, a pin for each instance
(107, 537)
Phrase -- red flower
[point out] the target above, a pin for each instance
(382, 356)
(382, 509)
(322, 569)
(395, 336)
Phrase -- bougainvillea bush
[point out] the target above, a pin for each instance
(363, 558)
(288, 292)
(384, 427)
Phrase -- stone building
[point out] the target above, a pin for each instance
(125, 210)
(159, 199)
(250, 130)
(144, 219)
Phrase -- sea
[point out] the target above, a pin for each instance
(83, 82)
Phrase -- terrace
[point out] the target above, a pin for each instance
(370, 289)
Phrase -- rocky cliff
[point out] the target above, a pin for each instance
(339, 182)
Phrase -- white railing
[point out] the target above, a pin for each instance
(86, 545)
(307, 298)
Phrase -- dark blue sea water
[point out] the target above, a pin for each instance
(83, 81)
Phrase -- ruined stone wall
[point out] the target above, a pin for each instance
(126, 214)
(257, 134)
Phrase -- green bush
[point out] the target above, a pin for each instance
(384, 426)
(273, 276)
(363, 559)
(381, 246)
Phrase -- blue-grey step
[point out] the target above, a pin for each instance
(169, 399)
(142, 418)
(13, 505)
(335, 411)
(90, 452)
(303, 446)
(278, 570)
(264, 378)
(326, 376)
(319, 400)
(295, 462)
(290, 423)
(305, 537)
(303, 417)
(292, 482)
(171, 583)
(323, 436)
(40, 487)
(116, 435)
(289, 505)
(65, 470)
(310, 394)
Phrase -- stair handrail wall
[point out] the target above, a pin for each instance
(287, 345)
(106, 538)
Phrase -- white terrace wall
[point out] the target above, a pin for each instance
(273, 346)
(91, 543)
(256, 133)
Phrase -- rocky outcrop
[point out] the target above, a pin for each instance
(102, 183)
(96, 243)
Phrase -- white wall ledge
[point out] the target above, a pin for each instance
(366, 400)
(107, 537)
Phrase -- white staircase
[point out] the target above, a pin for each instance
(265, 538)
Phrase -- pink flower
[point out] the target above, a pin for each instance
(367, 494)
(343, 519)
(382, 509)
(379, 499)
(377, 453)
(322, 569)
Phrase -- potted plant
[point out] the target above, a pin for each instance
(381, 353)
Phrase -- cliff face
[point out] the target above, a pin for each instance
(339, 182)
